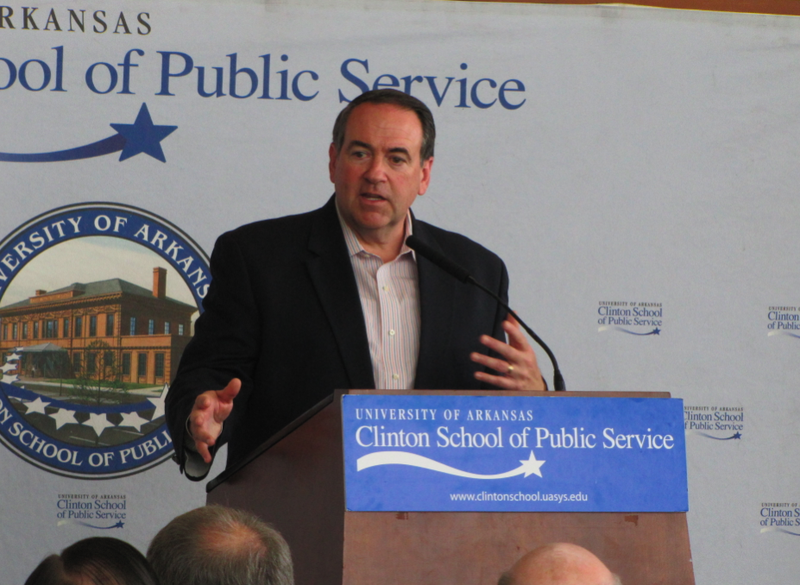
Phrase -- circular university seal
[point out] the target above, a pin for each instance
(97, 303)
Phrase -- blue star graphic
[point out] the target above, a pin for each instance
(656, 331)
(143, 136)
(737, 435)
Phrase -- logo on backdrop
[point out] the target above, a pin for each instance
(632, 318)
(783, 321)
(92, 510)
(721, 423)
(97, 303)
(131, 139)
(780, 517)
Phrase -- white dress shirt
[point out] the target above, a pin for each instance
(389, 294)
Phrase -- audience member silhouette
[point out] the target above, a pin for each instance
(95, 561)
(215, 545)
(559, 564)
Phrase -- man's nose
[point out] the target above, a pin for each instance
(376, 172)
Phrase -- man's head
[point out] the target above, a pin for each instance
(215, 545)
(559, 564)
(98, 560)
(379, 161)
(395, 98)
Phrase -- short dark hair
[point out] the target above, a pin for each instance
(395, 98)
(100, 560)
(215, 545)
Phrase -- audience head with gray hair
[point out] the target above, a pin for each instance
(559, 563)
(215, 545)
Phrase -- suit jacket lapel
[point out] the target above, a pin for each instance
(332, 274)
(436, 293)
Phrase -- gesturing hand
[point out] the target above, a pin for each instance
(210, 410)
(517, 366)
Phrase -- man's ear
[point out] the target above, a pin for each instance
(426, 176)
(332, 156)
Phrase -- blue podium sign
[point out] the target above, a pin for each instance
(450, 453)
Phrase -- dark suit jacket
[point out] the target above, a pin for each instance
(283, 314)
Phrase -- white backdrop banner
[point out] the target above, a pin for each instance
(635, 168)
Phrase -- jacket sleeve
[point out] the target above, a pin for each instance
(225, 345)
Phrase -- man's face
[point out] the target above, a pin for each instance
(378, 173)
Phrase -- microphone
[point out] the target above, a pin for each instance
(461, 274)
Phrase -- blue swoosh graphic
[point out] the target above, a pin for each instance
(655, 331)
(130, 139)
(106, 146)
(119, 524)
(733, 436)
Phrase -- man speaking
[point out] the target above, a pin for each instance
(334, 299)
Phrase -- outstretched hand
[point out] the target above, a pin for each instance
(516, 366)
(210, 410)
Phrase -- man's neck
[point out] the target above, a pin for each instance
(386, 245)
(387, 248)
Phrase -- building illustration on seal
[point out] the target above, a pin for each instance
(85, 367)
(88, 329)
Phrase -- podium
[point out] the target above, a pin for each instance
(295, 481)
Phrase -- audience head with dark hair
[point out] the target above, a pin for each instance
(95, 561)
(215, 545)
(559, 563)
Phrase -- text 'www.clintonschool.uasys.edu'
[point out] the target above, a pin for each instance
(519, 497)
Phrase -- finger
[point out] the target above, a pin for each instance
(203, 402)
(199, 428)
(202, 449)
(229, 392)
(526, 381)
(509, 353)
(516, 337)
(490, 362)
(203, 423)
(225, 397)
(503, 382)
(202, 412)
(202, 439)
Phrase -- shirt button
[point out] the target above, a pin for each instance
(395, 376)
(391, 332)
(386, 288)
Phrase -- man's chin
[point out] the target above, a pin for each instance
(374, 223)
